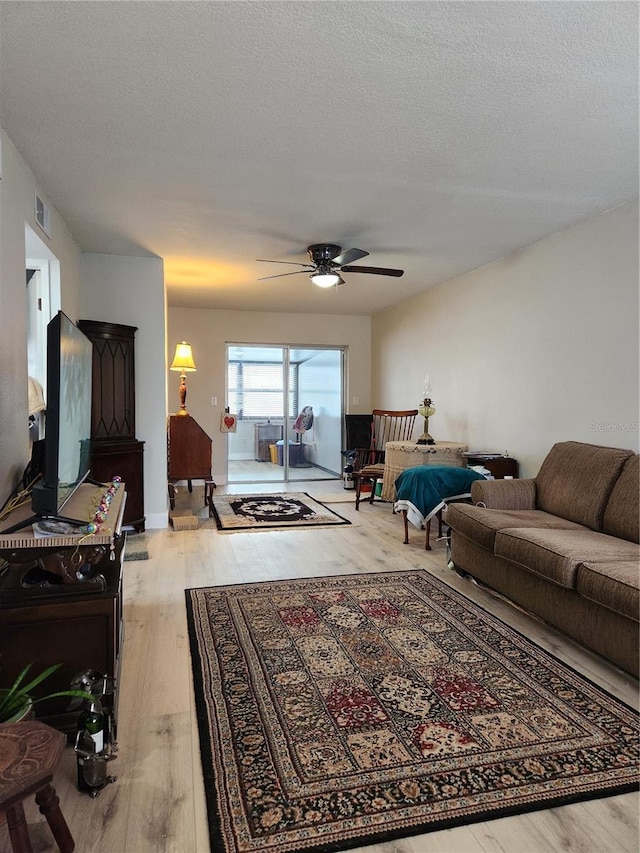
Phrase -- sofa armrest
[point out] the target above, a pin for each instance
(504, 494)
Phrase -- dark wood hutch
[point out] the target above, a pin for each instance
(114, 447)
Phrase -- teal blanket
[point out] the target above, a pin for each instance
(424, 490)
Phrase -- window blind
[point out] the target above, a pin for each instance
(256, 389)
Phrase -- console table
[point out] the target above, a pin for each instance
(400, 455)
(61, 602)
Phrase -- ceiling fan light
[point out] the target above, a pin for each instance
(325, 279)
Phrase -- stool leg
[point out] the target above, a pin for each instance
(357, 481)
(18, 832)
(406, 527)
(49, 804)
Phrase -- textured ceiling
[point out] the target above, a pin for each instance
(436, 136)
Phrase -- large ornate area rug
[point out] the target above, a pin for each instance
(339, 711)
(251, 512)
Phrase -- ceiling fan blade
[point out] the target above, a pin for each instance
(293, 263)
(373, 270)
(349, 256)
(281, 274)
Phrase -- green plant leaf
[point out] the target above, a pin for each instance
(18, 695)
(73, 694)
(27, 688)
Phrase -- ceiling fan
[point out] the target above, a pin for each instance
(327, 262)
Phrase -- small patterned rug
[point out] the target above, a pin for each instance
(341, 711)
(136, 547)
(264, 512)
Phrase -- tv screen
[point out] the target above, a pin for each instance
(67, 438)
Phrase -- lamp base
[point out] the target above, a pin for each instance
(425, 438)
(183, 395)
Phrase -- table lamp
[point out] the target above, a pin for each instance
(183, 361)
(426, 409)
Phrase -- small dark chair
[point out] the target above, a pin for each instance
(29, 755)
(386, 425)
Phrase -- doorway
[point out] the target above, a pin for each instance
(289, 405)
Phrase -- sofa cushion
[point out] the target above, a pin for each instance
(575, 481)
(622, 514)
(615, 585)
(481, 524)
(556, 554)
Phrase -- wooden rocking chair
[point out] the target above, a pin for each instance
(386, 425)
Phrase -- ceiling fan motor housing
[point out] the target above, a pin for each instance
(323, 253)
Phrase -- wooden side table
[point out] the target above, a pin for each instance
(400, 455)
(500, 466)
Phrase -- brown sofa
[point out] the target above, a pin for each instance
(563, 545)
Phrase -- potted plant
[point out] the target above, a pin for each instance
(17, 701)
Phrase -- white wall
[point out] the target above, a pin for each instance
(538, 347)
(130, 291)
(209, 330)
(17, 195)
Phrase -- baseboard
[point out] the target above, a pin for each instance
(157, 521)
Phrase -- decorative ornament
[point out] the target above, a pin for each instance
(102, 510)
(228, 422)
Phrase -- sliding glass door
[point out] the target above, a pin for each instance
(288, 402)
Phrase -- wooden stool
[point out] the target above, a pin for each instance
(29, 754)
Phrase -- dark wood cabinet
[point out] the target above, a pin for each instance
(114, 447)
(500, 466)
(125, 459)
(81, 631)
(61, 603)
(188, 449)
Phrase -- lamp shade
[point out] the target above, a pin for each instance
(325, 279)
(183, 359)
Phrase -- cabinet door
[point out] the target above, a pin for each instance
(124, 458)
(113, 394)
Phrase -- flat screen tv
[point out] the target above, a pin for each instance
(67, 437)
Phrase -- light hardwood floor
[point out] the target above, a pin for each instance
(158, 804)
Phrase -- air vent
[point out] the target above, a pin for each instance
(43, 216)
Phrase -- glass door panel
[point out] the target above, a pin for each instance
(256, 395)
(289, 407)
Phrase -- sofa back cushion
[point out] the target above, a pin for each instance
(576, 481)
(622, 514)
